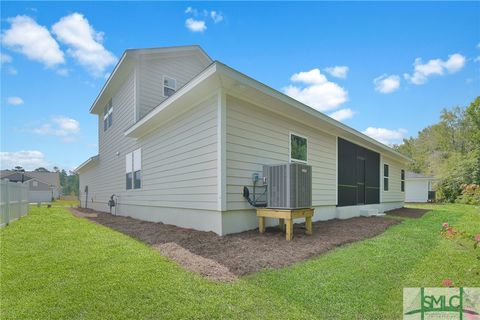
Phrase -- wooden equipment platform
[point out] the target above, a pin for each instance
(285, 217)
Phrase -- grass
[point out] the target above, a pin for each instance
(56, 266)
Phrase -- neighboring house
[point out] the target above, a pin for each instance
(42, 185)
(419, 188)
(180, 136)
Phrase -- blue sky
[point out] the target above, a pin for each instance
(386, 69)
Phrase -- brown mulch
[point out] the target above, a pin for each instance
(247, 252)
(407, 212)
(193, 262)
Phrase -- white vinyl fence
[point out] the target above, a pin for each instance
(14, 201)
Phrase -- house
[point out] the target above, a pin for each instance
(180, 135)
(43, 186)
(419, 188)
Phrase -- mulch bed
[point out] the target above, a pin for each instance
(407, 212)
(223, 258)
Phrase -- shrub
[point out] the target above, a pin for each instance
(470, 194)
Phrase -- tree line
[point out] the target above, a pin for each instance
(450, 151)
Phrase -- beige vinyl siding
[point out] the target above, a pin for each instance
(150, 74)
(110, 177)
(179, 162)
(256, 137)
(179, 159)
(394, 193)
(89, 177)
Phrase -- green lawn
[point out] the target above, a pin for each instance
(56, 266)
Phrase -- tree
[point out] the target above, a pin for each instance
(18, 169)
(449, 150)
(41, 169)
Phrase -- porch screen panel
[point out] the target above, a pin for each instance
(347, 183)
(358, 175)
(372, 179)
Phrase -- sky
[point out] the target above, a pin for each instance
(385, 69)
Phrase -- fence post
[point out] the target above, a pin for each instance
(7, 203)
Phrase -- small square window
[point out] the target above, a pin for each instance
(298, 148)
(169, 86)
(107, 115)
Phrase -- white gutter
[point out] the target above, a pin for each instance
(85, 163)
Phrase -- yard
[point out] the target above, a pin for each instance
(57, 266)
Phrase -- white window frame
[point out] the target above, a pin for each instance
(34, 183)
(129, 169)
(107, 114)
(137, 166)
(402, 180)
(165, 86)
(130, 157)
(292, 160)
(388, 177)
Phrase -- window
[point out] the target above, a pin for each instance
(385, 177)
(133, 165)
(298, 148)
(129, 168)
(402, 178)
(129, 180)
(107, 115)
(169, 86)
(34, 184)
(137, 168)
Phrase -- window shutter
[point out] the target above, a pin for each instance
(137, 160)
(128, 162)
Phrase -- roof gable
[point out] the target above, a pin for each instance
(126, 65)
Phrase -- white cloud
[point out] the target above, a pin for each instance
(422, 71)
(195, 25)
(313, 76)
(64, 72)
(337, 71)
(191, 10)
(217, 17)
(455, 63)
(387, 84)
(5, 58)
(386, 136)
(342, 114)
(198, 20)
(317, 92)
(32, 40)
(84, 42)
(12, 71)
(29, 160)
(66, 128)
(15, 101)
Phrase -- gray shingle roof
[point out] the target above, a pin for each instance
(50, 178)
(416, 175)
